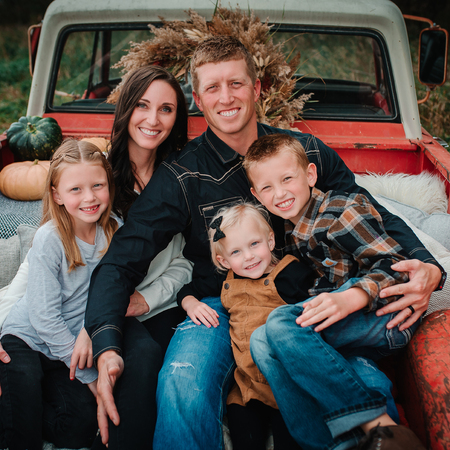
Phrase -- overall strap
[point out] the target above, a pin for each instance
(281, 265)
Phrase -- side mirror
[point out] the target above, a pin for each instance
(433, 51)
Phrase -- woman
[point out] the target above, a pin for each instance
(150, 122)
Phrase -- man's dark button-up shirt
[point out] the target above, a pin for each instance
(183, 195)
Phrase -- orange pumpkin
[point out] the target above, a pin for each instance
(101, 143)
(24, 180)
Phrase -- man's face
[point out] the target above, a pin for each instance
(227, 97)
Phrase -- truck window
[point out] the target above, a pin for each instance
(86, 76)
(346, 70)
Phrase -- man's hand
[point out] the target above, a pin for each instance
(423, 280)
(82, 355)
(330, 307)
(4, 358)
(199, 312)
(110, 368)
(137, 306)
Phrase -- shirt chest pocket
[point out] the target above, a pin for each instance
(331, 262)
(209, 210)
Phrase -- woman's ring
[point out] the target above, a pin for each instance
(412, 309)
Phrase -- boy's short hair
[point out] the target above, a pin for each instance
(219, 49)
(270, 145)
(232, 216)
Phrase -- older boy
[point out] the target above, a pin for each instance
(303, 349)
(182, 196)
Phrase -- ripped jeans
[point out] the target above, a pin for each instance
(193, 385)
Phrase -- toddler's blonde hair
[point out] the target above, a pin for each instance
(232, 216)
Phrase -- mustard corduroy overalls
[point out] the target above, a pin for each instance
(249, 303)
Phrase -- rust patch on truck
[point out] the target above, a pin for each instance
(359, 145)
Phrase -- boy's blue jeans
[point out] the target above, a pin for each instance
(325, 383)
(194, 381)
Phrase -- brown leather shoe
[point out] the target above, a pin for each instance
(390, 438)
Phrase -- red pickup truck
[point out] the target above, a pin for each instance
(355, 60)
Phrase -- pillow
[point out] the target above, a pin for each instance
(423, 191)
(440, 299)
(26, 234)
(9, 260)
(435, 225)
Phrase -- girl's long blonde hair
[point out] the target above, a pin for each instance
(73, 151)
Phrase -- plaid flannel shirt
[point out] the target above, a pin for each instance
(342, 236)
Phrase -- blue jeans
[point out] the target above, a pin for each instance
(324, 383)
(193, 385)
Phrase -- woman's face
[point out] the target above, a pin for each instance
(153, 117)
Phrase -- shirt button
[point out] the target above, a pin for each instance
(266, 282)
(227, 286)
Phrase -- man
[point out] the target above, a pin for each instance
(182, 196)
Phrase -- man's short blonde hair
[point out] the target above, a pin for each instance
(270, 145)
(232, 216)
(219, 49)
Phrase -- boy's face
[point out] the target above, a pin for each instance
(227, 96)
(247, 249)
(282, 185)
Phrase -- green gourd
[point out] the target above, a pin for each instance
(34, 137)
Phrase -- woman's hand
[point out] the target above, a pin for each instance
(82, 355)
(199, 312)
(423, 280)
(137, 306)
(330, 307)
(93, 387)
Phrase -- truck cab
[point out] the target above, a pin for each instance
(356, 64)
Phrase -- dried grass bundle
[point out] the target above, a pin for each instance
(175, 41)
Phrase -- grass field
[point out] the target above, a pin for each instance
(15, 82)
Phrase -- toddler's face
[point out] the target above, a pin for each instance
(282, 185)
(247, 249)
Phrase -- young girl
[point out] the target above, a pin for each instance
(41, 397)
(242, 242)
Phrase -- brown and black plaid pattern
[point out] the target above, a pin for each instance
(342, 236)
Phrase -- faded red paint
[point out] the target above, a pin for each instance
(423, 381)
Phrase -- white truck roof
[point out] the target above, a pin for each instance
(382, 16)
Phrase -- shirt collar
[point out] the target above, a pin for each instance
(223, 151)
(303, 229)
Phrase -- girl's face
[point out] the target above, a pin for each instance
(247, 249)
(153, 117)
(84, 191)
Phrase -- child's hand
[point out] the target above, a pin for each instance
(93, 387)
(199, 312)
(331, 307)
(82, 355)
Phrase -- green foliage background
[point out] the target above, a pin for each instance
(15, 79)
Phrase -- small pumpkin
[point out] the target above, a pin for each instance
(34, 137)
(24, 180)
(101, 143)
